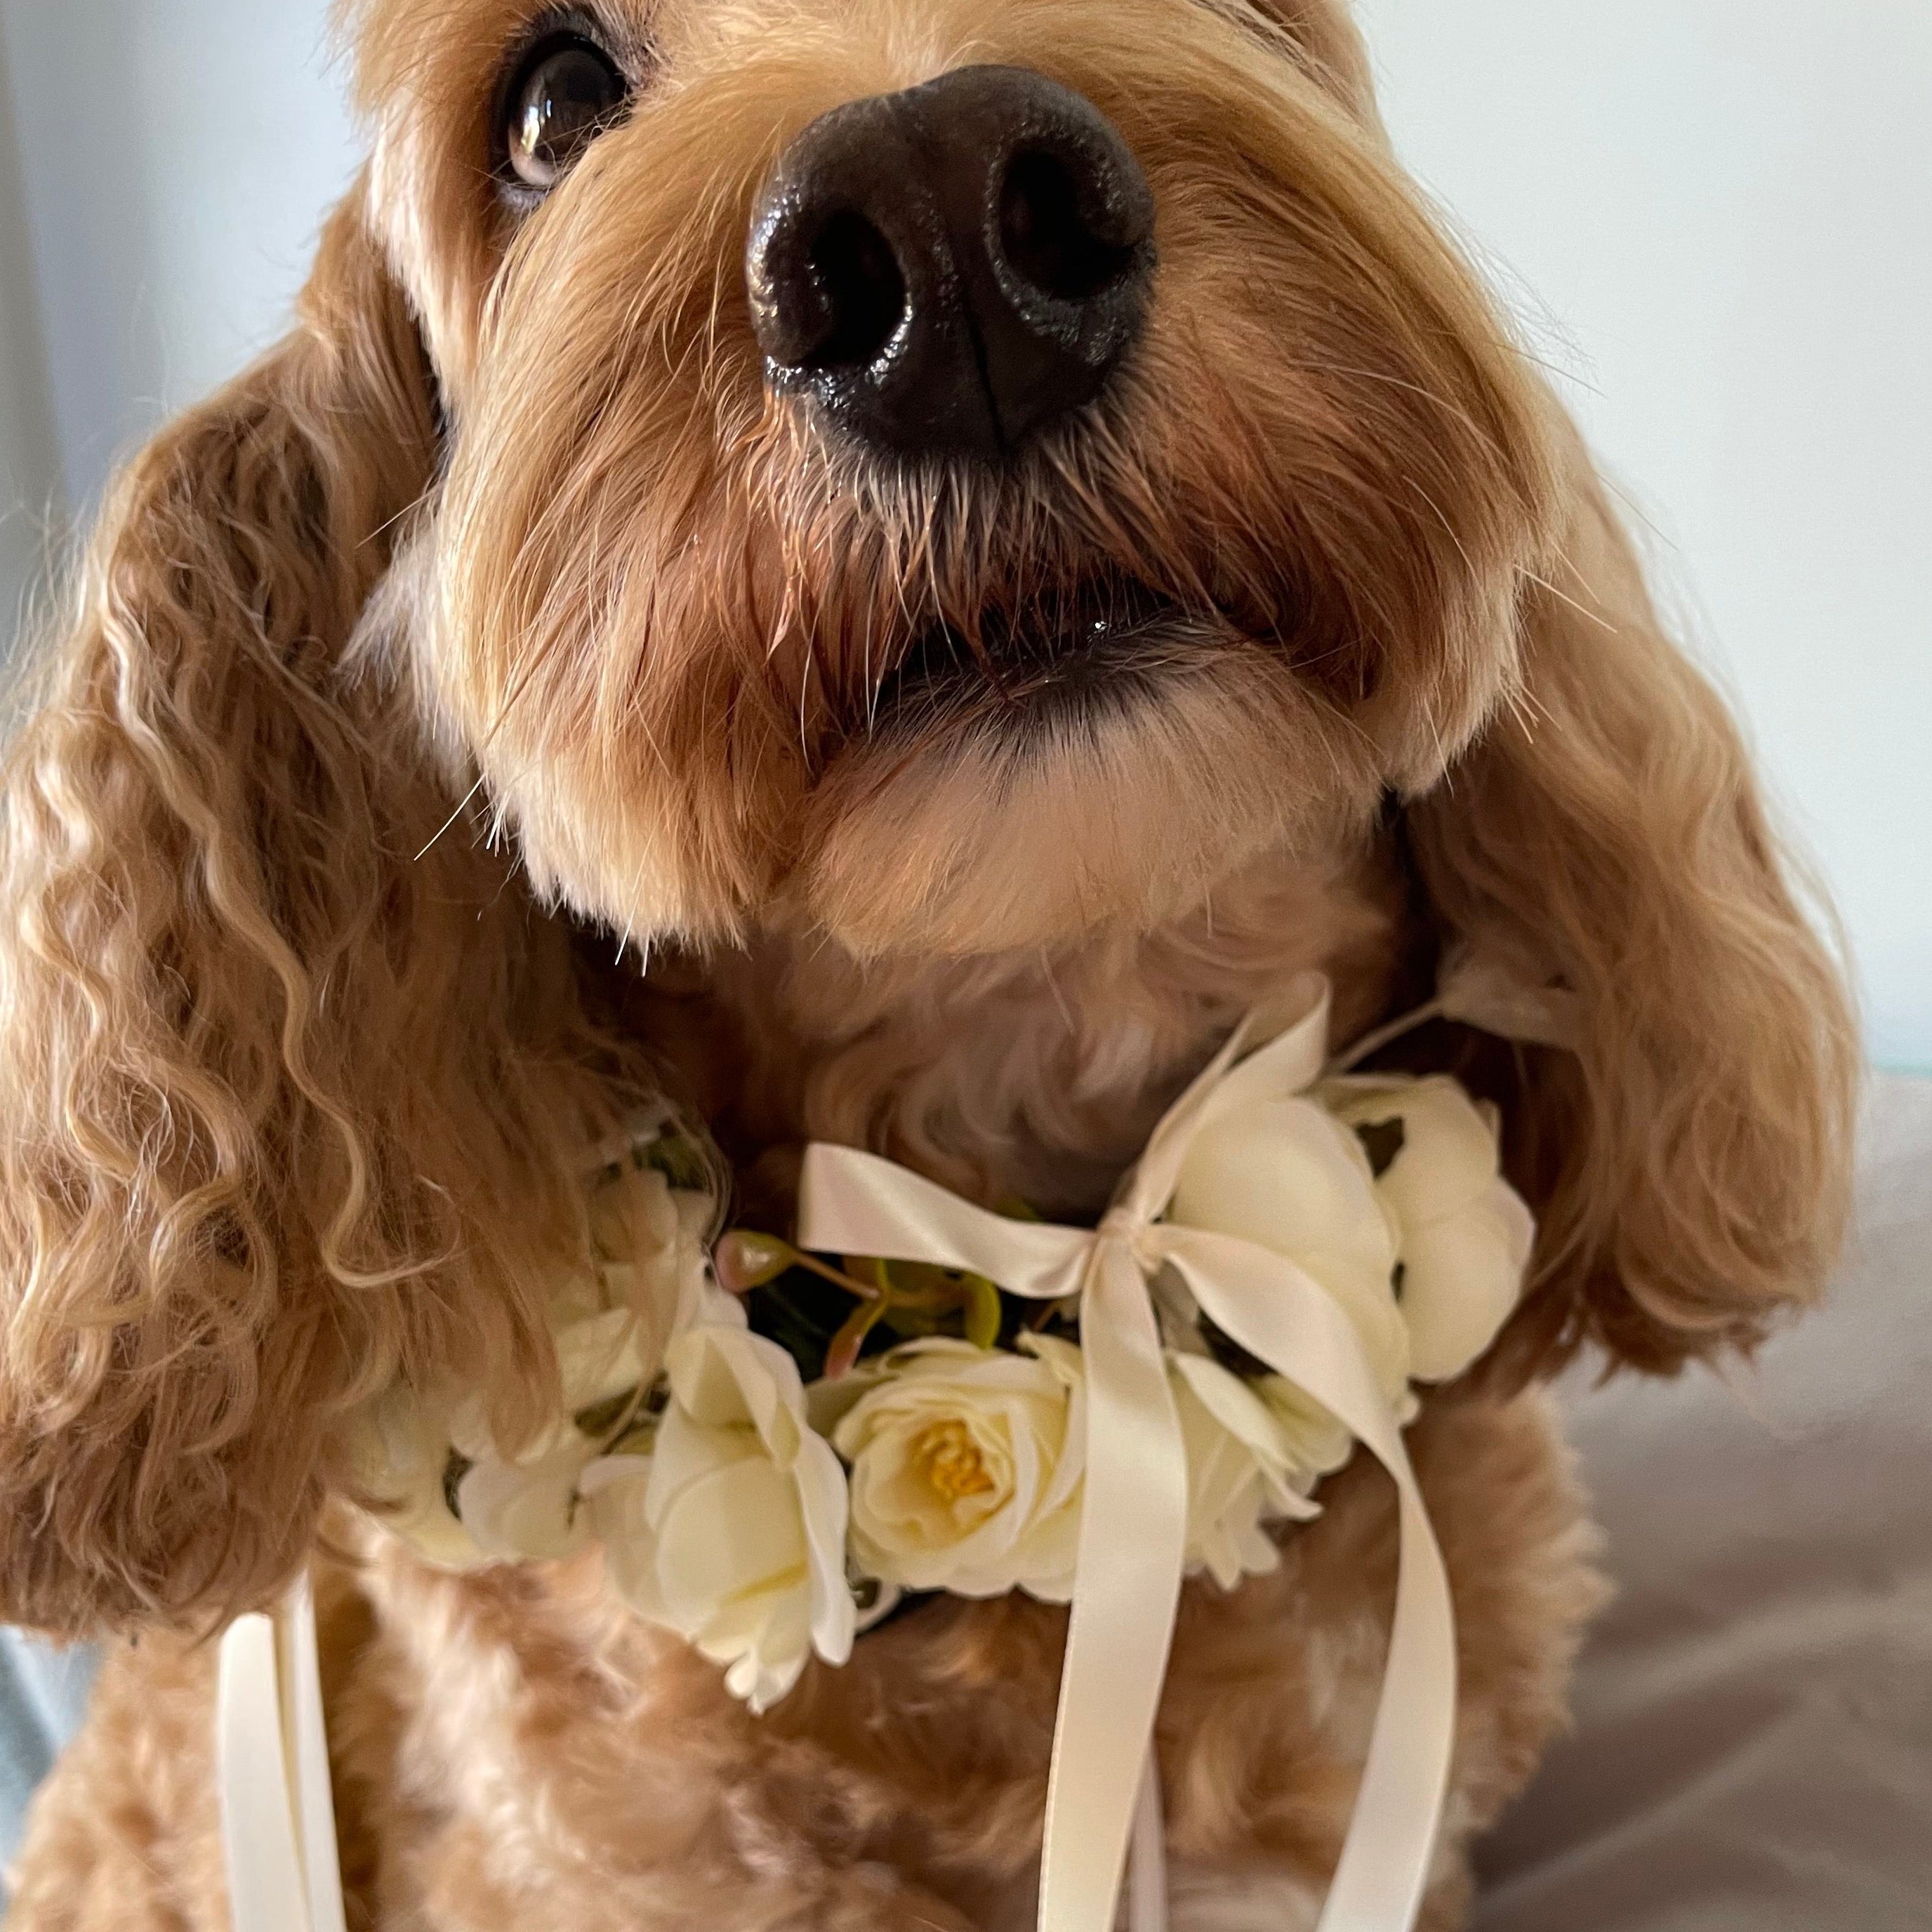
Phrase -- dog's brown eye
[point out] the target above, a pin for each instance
(567, 92)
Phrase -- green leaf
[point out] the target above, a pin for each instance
(984, 1312)
(922, 1279)
(681, 1160)
(908, 1321)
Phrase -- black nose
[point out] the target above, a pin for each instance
(948, 268)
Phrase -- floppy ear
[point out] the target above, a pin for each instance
(1328, 39)
(1689, 1160)
(284, 1107)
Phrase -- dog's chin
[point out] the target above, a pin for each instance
(1107, 648)
(1001, 794)
(1109, 773)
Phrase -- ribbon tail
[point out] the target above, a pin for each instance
(1271, 1308)
(272, 1758)
(1133, 1536)
(308, 1750)
(1146, 1869)
(1384, 1867)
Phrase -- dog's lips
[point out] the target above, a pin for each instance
(1102, 646)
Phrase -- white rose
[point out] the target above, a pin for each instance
(399, 1451)
(731, 1531)
(1289, 1176)
(649, 1240)
(609, 1326)
(525, 1506)
(966, 1467)
(1465, 1233)
(526, 1511)
(1319, 1442)
(1242, 1471)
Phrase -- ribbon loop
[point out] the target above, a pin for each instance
(853, 1203)
(1132, 1543)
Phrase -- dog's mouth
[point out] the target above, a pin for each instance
(1066, 659)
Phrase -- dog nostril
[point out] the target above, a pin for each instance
(1045, 234)
(864, 290)
(946, 270)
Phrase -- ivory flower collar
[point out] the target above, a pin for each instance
(771, 1441)
(870, 1427)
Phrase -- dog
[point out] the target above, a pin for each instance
(889, 571)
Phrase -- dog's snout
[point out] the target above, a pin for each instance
(948, 268)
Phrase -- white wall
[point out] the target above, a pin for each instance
(1717, 214)
(178, 155)
(29, 455)
(1723, 209)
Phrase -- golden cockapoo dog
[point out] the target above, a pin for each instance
(890, 568)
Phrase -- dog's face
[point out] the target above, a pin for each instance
(956, 474)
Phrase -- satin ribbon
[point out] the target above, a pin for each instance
(1134, 1518)
(272, 1767)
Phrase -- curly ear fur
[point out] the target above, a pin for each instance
(285, 1108)
(1330, 43)
(1691, 1161)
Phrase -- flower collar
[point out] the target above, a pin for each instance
(947, 1410)
(916, 1395)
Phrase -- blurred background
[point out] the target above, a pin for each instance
(1714, 218)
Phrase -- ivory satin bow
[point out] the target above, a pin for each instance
(1134, 1518)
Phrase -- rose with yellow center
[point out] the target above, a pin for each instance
(966, 1467)
(952, 1462)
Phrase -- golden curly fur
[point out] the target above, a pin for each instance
(467, 723)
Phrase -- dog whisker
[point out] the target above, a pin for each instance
(463, 805)
(1589, 616)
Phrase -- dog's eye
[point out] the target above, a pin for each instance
(565, 93)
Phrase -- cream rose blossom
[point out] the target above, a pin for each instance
(416, 1456)
(399, 1451)
(966, 1467)
(1465, 1233)
(1320, 1442)
(730, 1530)
(650, 1240)
(525, 1506)
(1242, 1471)
(1289, 1176)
